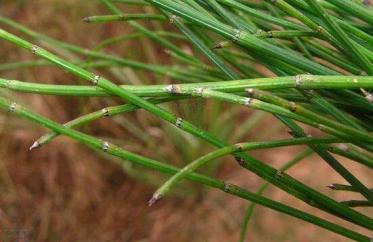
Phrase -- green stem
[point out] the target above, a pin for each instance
(250, 209)
(122, 17)
(305, 82)
(203, 160)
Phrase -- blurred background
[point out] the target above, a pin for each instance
(66, 192)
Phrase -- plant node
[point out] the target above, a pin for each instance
(173, 18)
(247, 101)
(237, 35)
(12, 107)
(238, 147)
(250, 92)
(105, 112)
(279, 175)
(298, 80)
(293, 106)
(227, 187)
(222, 44)
(173, 89)
(96, 79)
(87, 19)
(178, 122)
(34, 49)
(105, 146)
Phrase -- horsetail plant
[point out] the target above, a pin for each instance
(315, 70)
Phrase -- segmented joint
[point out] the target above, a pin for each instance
(12, 107)
(247, 101)
(321, 127)
(227, 187)
(9, 84)
(96, 79)
(173, 89)
(270, 34)
(259, 33)
(221, 45)
(293, 106)
(279, 175)
(319, 29)
(178, 122)
(343, 147)
(298, 80)
(237, 35)
(199, 91)
(34, 49)
(105, 112)
(105, 146)
(238, 147)
(173, 19)
(250, 92)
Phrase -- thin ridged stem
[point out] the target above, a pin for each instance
(363, 159)
(342, 187)
(302, 82)
(102, 113)
(250, 209)
(203, 160)
(286, 34)
(358, 203)
(122, 17)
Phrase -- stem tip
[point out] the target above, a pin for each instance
(87, 19)
(155, 198)
(36, 144)
(331, 186)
